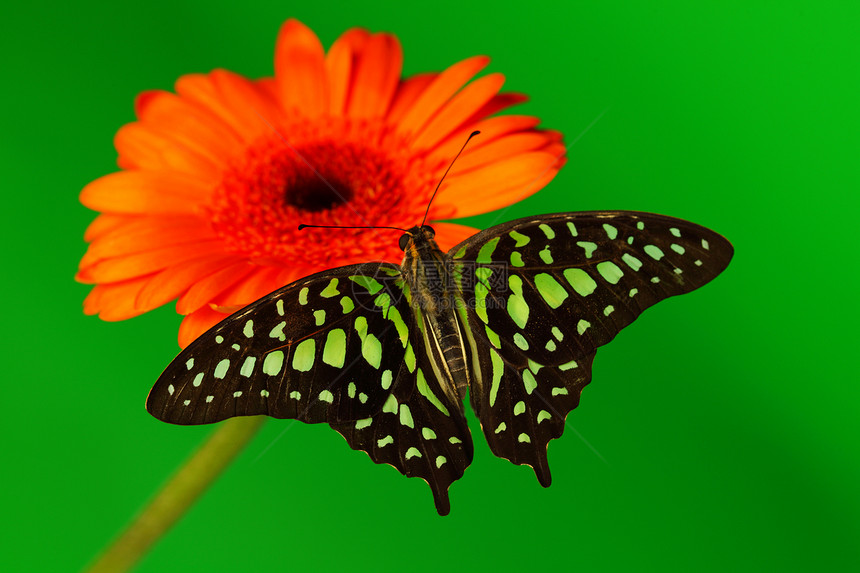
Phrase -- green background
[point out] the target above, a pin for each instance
(727, 418)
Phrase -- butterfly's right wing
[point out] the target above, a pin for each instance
(316, 350)
(547, 292)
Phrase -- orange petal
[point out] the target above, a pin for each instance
(257, 285)
(377, 76)
(174, 280)
(340, 67)
(152, 192)
(461, 107)
(450, 234)
(490, 128)
(501, 149)
(439, 92)
(300, 70)
(115, 301)
(269, 87)
(407, 93)
(498, 103)
(195, 127)
(240, 103)
(148, 262)
(145, 147)
(197, 323)
(146, 234)
(496, 185)
(203, 291)
(104, 224)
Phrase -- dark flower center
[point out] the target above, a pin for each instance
(315, 194)
(347, 179)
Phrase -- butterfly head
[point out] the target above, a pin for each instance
(416, 236)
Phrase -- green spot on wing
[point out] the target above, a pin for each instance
(371, 348)
(498, 370)
(485, 255)
(654, 252)
(481, 291)
(547, 230)
(582, 326)
(580, 281)
(409, 358)
(631, 261)
(610, 272)
(546, 255)
(412, 453)
(390, 406)
(334, 351)
(493, 337)
(330, 290)
(248, 366)
(529, 381)
(399, 324)
(517, 307)
(588, 247)
(611, 231)
(521, 239)
(370, 284)
(406, 416)
(552, 292)
(347, 304)
(273, 362)
(386, 379)
(425, 391)
(221, 368)
(303, 359)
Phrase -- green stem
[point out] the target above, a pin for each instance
(178, 494)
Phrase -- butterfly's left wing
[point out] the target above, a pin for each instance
(545, 292)
(341, 346)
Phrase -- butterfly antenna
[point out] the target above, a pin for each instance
(471, 135)
(303, 226)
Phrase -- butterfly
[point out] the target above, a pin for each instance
(384, 353)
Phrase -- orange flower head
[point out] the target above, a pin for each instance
(216, 177)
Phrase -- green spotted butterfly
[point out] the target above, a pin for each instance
(384, 353)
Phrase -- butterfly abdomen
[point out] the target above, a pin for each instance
(434, 303)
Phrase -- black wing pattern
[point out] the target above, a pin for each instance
(548, 291)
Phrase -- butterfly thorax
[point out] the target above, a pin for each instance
(426, 270)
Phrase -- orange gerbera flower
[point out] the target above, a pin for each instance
(216, 177)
